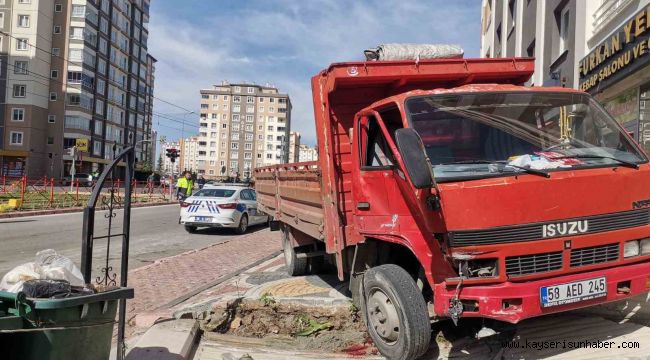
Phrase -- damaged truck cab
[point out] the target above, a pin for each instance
(446, 188)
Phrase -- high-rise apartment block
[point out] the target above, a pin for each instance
(74, 73)
(169, 167)
(242, 126)
(307, 153)
(190, 154)
(294, 146)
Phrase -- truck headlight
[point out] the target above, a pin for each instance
(631, 248)
(644, 246)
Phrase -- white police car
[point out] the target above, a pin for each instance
(221, 206)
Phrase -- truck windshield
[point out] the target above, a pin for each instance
(471, 136)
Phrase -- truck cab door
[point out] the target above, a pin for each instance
(372, 171)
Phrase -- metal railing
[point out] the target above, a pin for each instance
(48, 193)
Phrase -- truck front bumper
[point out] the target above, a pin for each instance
(515, 301)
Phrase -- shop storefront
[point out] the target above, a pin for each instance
(617, 73)
(13, 163)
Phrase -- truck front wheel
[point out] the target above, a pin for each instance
(295, 266)
(396, 314)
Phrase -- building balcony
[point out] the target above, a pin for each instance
(607, 11)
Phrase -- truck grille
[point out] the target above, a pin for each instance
(594, 255)
(517, 233)
(533, 264)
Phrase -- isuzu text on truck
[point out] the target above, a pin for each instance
(445, 188)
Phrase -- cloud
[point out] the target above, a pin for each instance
(286, 42)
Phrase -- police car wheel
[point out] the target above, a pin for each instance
(190, 229)
(243, 224)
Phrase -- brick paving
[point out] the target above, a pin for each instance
(169, 278)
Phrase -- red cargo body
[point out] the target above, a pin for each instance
(340, 203)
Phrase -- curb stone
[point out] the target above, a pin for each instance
(19, 214)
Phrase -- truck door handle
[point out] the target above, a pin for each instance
(363, 205)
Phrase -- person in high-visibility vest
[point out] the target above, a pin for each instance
(184, 186)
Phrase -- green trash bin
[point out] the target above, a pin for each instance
(75, 328)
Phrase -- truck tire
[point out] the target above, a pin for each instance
(295, 266)
(190, 229)
(395, 313)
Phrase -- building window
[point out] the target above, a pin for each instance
(236, 108)
(250, 99)
(20, 67)
(58, 7)
(236, 99)
(261, 100)
(563, 30)
(23, 21)
(251, 90)
(54, 74)
(24, 1)
(50, 140)
(16, 138)
(261, 109)
(51, 119)
(21, 44)
(225, 98)
(57, 29)
(237, 89)
(20, 91)
(18, 114)
(56, 51)
(53, 96)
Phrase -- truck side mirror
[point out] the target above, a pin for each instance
(415, 159)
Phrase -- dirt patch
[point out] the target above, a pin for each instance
(327, 329)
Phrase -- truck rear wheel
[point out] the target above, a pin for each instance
(295, 266)
(395, 313)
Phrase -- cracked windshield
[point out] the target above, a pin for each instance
(483, 135)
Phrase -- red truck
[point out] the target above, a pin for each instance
(448, 189)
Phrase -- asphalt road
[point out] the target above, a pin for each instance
(155, 233)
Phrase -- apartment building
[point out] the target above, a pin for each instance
(242, 126)
(294, 146)
(169, 168)
(76, 73)
(307, 153)
(552, 31)
(190, 152)
(592, 45)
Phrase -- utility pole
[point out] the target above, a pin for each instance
(73, 171)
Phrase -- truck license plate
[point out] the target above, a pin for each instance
(573, 292)
(202, 218)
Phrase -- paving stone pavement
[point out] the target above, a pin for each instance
(169, 278)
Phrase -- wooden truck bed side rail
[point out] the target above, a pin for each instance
(291, 193)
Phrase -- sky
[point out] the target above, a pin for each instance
(199, 43)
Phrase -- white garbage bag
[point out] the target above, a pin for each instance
(14, 279)
(414, 52)
(48, 265)
(58, 267)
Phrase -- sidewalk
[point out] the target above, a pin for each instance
(169, 281)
